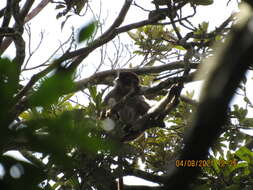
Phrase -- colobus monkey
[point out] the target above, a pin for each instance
(135, 106)
(127, 114)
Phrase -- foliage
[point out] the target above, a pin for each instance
(86, 32)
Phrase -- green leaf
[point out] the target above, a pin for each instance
(93, 92)
(218, 38)
(9, 77)
(52, 88)
(232, 187)
(179, 47)
(67, 97)
(216, 165)
(204, 26)
(245, 154)
(133, 35)
(202, 187)
(247, 122)
(86, 32)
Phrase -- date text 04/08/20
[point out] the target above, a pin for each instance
(204, 163)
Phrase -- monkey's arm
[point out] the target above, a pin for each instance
(154, 117)
(140, 105)
(108, 102)
(122, 101)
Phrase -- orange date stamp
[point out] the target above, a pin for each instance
(204, 163)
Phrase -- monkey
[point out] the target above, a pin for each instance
(133, 108)
(126, 83)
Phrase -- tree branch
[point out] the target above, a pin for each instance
(36, 10)
(211, 114)
(107, 36)
(106, 77)
(6, 43)
(19, 16)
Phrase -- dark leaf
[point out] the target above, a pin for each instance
(86, 32)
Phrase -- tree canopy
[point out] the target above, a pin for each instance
(50, 110)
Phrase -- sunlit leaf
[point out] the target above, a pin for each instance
(133, 35)
(204, 26)
(245, 154)
(93, 92)
(179, 47)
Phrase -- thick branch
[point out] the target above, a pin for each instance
(104, 38)
(107, 36)
(36, 10)
(110, 34)
(6, 43)
(85, 51)
(6, 19)
(6, 31)
(19, 16)
(106, 77)
(211, 114)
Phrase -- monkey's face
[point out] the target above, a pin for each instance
(127, 81)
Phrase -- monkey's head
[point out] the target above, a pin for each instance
(127, 81)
